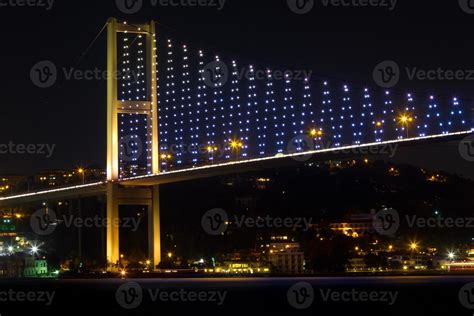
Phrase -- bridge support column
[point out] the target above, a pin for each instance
(154, 229)
(112, 242)
(117, 196)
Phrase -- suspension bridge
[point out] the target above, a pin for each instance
(175, 113)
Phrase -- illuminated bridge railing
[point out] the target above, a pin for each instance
(213, 109)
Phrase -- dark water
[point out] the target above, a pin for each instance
(242, 296)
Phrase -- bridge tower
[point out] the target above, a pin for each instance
(117, 195)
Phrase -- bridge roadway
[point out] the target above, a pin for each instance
(220, 169)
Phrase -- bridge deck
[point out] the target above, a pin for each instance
(100, 188)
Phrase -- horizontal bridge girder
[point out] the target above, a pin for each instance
(131, 193)
(133, 106)
(134, 29)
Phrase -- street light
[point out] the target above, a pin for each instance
(405, 120)
(236, 145)
(166, 157)
(315, 132)
(413, 247)
(211, 149)
(316, 135)
(82, 172)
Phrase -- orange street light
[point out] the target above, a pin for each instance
(211, 149)
(82, 172)
(315, 132)
(236, 145)
(405, 120)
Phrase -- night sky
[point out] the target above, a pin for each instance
(336, 42)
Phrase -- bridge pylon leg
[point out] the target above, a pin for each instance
(112, 242)
(154, 229)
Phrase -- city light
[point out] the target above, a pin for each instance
(34, 250)
(413, 245)
(405, 120)
(236, 144)
(315, 132)
(82, 172)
